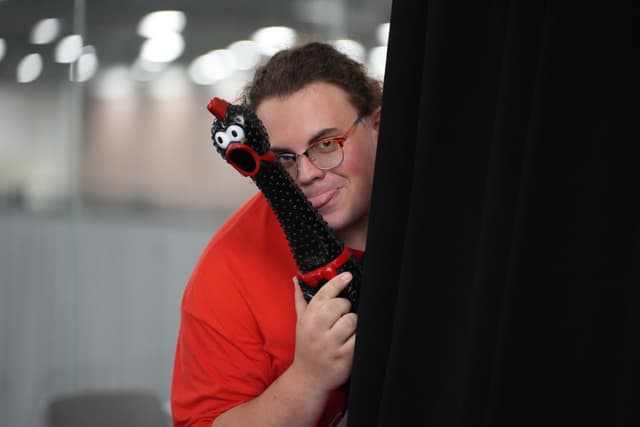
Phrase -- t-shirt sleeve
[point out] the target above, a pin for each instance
(220, 360)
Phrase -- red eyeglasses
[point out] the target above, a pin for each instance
(325, 153)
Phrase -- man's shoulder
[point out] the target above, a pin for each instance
(248, 249)
(251, 238)
(253, 221)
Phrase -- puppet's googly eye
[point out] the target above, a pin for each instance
(235, 132)
(222, 139)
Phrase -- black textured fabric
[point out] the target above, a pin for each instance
(501, 286)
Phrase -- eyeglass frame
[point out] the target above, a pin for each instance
(339, 139)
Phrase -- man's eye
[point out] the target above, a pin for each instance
(286, 157)
(326, 145)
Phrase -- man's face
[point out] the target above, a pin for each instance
(341, 195)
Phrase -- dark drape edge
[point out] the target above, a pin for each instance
(500, 286)
(388, 212)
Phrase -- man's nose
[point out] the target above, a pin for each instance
(307, 171)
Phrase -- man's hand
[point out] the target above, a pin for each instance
(325, 335)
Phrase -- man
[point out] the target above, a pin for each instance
(251, 351)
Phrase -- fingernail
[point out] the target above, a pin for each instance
(346, 276)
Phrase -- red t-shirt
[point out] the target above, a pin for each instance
(237, 330)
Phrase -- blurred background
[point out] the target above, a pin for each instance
(109, 186)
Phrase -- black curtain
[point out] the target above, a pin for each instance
(502, 274)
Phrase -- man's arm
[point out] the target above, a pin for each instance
(325, 341)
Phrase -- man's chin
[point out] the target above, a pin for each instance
(334, 220)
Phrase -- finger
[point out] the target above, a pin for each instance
(325, 313)
(345, 327)
(333, 287)
(350, 344)
(300, 303)
(337, 306)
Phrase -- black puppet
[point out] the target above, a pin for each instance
(242, 140)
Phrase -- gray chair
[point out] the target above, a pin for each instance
(113, 408)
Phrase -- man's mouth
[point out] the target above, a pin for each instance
(322, 199)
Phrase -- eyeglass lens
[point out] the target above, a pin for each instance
(325, 154)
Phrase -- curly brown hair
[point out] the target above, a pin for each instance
(291, 69)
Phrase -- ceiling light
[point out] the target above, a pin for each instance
(377, 61)
(149, 66)
(246, 54)
(197, 71)
(212, 67)
(163, 48)
(45, 31)
(29, 68)
(145, 71)
(85, 67)
(351, 48)
(232, 87)
(272, 39)
(382, 33)
(68, 49)
(161, 22)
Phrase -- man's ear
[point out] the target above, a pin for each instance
(375, 118)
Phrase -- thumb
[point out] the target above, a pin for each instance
(300, 303)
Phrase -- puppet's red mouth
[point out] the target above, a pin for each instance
(245, 159)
